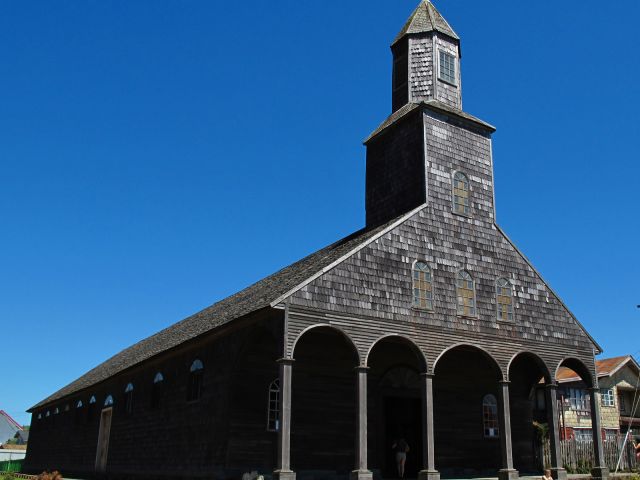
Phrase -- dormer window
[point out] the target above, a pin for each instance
(447, 70)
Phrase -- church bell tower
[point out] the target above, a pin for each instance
(426, 60)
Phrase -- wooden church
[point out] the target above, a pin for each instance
(428, 324)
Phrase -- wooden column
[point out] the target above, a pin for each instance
(600, 470)
(361, 471)
(283, 472)
(557, 470)
(507, 472)
(428, 471)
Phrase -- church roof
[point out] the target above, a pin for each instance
(432, 105)
(425, 19)
(261, 295)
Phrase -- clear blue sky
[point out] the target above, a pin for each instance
(159, 156)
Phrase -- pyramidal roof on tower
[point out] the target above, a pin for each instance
(424, 19)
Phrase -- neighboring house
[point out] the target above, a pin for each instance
(427, 324)
(8, 427)
(22, 437)
(618, 379)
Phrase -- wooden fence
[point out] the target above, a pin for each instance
(578, 456)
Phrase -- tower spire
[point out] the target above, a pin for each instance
(426, 57)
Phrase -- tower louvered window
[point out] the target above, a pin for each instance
(465, 290)
(461, 194)
(422, 286)
(504, 299)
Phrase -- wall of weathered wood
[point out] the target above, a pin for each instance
(224, 431)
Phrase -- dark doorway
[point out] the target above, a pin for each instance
(403, 419)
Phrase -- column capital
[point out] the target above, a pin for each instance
(361, 369)
(593, 389)
(504, 382)
(428, 374)
(286, 361)
(551, 386)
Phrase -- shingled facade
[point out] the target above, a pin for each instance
(428, 324)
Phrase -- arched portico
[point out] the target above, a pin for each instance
(397, 408)
(587, 385)
(532, 402)
(470, 389)
(323, 401)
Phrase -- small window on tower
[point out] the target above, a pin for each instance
(422, 286)
(447, 70)
(461, 194)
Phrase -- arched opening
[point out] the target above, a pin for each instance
(574, 401)
(323, 403)
(467, 440)
(529, 411)
(395, 405)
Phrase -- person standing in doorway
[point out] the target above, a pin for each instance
(401, 447)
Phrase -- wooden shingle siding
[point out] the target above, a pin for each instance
(372, 289)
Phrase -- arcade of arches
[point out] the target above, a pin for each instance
(341, 414)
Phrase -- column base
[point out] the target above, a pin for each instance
(508, 474)
(361, 475)
(598, 473)
(559, 473)
(284, 475)
(429, 475)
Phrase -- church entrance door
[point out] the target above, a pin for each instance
(403, 419)
(103, 439)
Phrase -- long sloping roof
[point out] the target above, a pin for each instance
(426, 18)
(253, 298)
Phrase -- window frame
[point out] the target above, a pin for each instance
(490, 418)
(273, 413)
(156, 390)
(511, 304)
(474, 313)
(607, 399)
(453, 194)
(128, 398)
(415, 285)
(454, 62)
(194, 387)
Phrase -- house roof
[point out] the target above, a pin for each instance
(604, 368)
(258, 296)
(4, 415)
(424, 19)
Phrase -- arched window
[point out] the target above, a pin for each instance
(490, 416)
(128, 399)
(78, 414)
(91, 410)
(56, 411)
(504, 299)
(194, 391)
(108, 402)
(422, 286)
(273, 413)
(40, 416)
(461, 194)
(466, 293)
(67, 408)
(156, 390)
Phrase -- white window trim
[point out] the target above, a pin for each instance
(455, 67)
